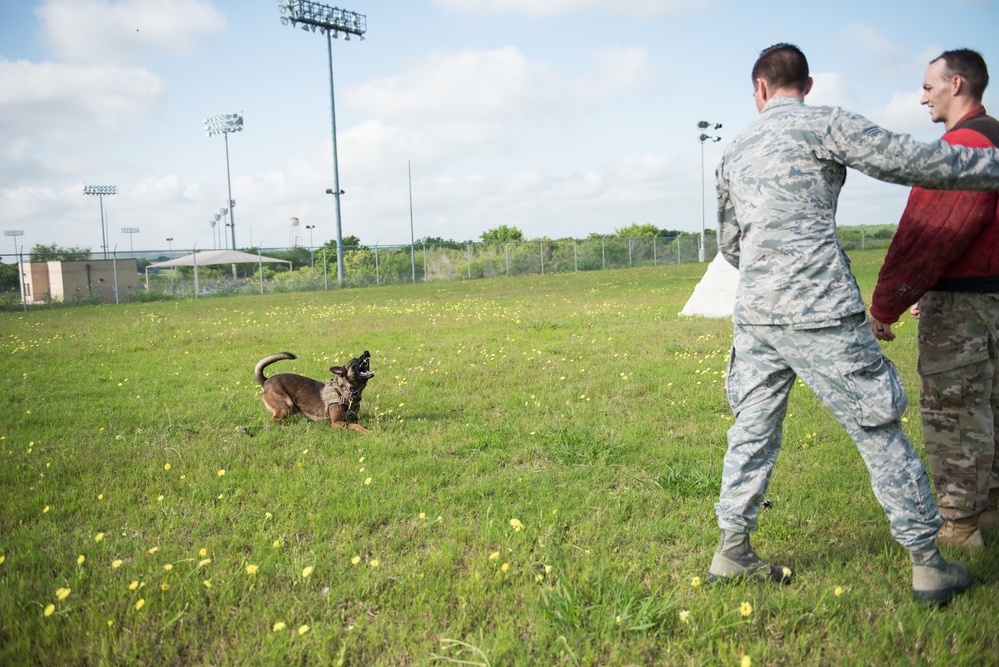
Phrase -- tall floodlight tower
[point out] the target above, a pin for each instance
(100, 191)
(224, 124)
(702, 126)
(331, 21)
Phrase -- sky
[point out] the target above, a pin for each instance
(561, 118)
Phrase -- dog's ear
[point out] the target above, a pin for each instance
(338, 370)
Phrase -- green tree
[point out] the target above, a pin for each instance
(637, 231)
(56, 253)
(502, 234)
(8, 278)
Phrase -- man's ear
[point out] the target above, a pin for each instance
(808, 86)
(957, 84)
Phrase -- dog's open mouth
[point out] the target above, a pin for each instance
(363, 367)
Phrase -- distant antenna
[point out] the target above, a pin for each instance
(294, 233)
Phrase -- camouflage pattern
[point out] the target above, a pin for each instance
(959, 366)
(799, 312)
(845, 368)
(778, 186)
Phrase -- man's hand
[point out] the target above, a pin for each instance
(881, 330)
(914, 310)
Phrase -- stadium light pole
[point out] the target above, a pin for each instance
(170, 241)
(100, 191)
(312, 255)
(223, 125)
(14, 233)
(702, 126)
(330, 21)
(131, 231)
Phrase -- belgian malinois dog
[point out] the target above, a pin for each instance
(338, 399)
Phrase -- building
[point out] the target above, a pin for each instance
(111, 280)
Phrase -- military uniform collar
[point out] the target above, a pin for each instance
(779, 101)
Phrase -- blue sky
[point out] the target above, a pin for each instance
(560, 117)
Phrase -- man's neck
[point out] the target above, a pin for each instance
(959, 108)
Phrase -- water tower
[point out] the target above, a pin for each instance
(294, 233)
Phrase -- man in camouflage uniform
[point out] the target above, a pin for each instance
(944, 256)
(799, 312)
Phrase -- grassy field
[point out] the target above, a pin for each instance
(537, 488)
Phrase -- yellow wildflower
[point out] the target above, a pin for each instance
(306, 571)
(251, 569)
(206, 561)
(745, 609)
(116, 563)
(140, 604)
(303, 629)
(132, 586)
(505, 567)
(62, 593)
(220, 473)
(517, 525)
(374, 563)
(746, 661)
(80, 559)
(355, 560)
(279, 626)
(685, 616)
(168, 567)
(49, 609)
(695, 581)
(98, 537)
(494, 555)
(838, 591)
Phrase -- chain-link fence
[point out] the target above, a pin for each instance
(133, 276)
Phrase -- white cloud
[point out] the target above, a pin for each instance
(500, 85)
(557, 8)
(829, 89)
(73, 105)
(101, 30)
(905, 114)
(483, 85)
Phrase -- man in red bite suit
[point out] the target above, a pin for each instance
(945, 260)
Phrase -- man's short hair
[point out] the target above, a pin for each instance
(782, 66)
(970, 66)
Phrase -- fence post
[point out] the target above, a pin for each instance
(678, 239)
(20, 277)
(654, 251)
(377, 278)
(575, 257)
(603, 254)
(542, 258)
(260, 263)
(424, 261)
(508, 259)
(326, 276)
(862, 238)
(114, 270)
(630, 263)
(468, 251)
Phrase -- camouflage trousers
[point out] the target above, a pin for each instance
(845, 368)
(959, 366)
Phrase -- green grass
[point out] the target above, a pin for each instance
(578, 404)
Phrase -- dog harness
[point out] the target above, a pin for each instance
(331, 396)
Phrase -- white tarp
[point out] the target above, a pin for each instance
(213, 257)
(714, 296)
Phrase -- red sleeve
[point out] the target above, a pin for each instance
(935, 230)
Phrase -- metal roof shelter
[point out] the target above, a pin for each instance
(214, 258)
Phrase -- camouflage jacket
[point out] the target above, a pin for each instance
(778, 185)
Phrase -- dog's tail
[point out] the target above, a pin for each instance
(258, 372)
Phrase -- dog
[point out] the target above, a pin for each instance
(338, 399)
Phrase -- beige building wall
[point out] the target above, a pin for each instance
(62, 281)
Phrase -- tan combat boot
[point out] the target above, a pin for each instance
(735, 559)
(934, 579)
(963, 533)
(990, 517)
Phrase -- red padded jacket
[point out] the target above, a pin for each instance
(946, 240)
